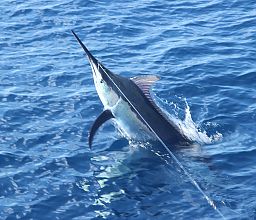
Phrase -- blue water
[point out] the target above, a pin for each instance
(204, 52)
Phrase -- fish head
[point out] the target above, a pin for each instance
(104, 84)
(103, 79)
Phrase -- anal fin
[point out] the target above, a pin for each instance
(102, 118)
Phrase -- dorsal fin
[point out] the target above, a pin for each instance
(144, 83)
(102, 118)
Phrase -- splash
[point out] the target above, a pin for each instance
(193, 131)
(188, 127)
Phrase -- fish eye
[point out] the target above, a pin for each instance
(101, 81)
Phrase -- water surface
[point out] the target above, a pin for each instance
(204, 52)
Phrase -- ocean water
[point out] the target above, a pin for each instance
(204, 52)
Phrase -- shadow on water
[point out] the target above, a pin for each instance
(140, 181)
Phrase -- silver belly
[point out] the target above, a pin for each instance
(129, 124)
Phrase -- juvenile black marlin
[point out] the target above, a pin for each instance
(129, 103)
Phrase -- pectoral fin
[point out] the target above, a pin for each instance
(102, 118)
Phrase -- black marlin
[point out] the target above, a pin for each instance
(129, 103)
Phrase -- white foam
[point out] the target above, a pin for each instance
(189, 128)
